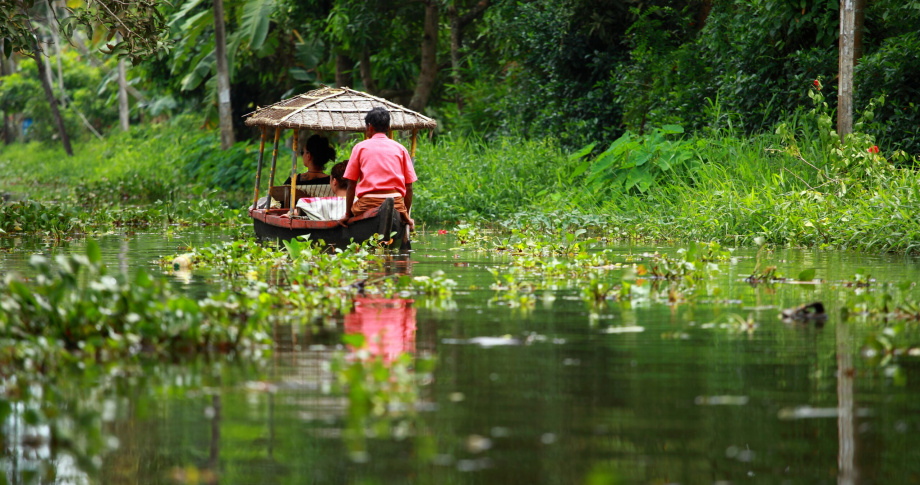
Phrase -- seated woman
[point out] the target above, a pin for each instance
(316, 154)
(327, 208)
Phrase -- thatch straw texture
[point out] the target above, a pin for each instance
(335, 109)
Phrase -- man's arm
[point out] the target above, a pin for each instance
(408, 198)
(408, 201)
(349, 201)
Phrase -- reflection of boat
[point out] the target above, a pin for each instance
(325, 110)
(388, 326)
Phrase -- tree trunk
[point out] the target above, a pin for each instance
(455, 40)
(60, 68)
(457, 24)
(343, 71)
(858, 30)
(123, 113)
(367, 76)
(7, 68)
(225, 111)
(703, 14)
(45, 77)
(845, 89)
(428, 72)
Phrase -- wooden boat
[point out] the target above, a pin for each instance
(383, 221)
(326, 110)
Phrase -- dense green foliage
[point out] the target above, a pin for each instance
(579, 71)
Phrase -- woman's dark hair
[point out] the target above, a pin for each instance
(379, 118)
(320, 149)
(338, 173)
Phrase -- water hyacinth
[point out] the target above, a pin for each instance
(75, 310)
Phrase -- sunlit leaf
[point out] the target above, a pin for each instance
(807, 275)
(93, 252)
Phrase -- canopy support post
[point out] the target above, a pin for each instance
(412, 151)
(271, 183)
(292, 203)
(255, 198)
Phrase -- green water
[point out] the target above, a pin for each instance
(562, 393)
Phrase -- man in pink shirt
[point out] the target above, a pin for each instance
(379, 168)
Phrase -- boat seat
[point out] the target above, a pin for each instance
(282, 193)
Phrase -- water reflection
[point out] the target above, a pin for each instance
(585, 398)
(847, 472)
(388, 326)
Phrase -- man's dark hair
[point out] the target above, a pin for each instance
(379, 118)
(338, 173)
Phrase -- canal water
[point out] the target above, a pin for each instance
(709, 388)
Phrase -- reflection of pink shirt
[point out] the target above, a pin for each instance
(380, 164)
(388, 326)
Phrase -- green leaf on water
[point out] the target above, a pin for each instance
(93, 252)
(356, 340)
(807, 275)
(690, 255)
(142, 279)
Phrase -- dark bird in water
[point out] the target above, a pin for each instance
(360, 286)
(809, 312)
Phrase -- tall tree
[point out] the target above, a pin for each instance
(367, 74)
(7, 67)
(225, 111)
(428, 71)
(56, 40)
(123, 112)
(343, 71)
(458, 23)
(846, 59)
(44, 75)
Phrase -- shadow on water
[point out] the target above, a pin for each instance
(716, 389)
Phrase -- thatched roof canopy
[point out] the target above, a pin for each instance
(335, 109)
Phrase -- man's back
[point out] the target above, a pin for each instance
(380, 164)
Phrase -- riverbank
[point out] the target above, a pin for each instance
(793, 188)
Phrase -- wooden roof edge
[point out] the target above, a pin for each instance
(343, 89)
(287, 124)
(276, 103)
(390, 103)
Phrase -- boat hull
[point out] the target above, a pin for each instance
(383, 220)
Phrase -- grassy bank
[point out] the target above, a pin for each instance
(797, 185)
(793, 187)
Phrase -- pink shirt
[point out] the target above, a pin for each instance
(379, 164)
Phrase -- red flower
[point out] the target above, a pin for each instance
(874, 149)
(442, 232)
(817, 84)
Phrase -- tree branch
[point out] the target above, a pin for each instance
(474, 12)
